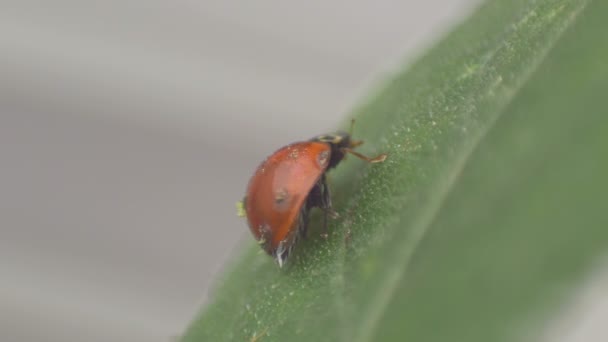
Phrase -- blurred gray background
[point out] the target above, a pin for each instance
(128, 130)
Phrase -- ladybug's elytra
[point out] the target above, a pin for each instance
(288, 184)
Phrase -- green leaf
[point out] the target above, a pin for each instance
(488, 213)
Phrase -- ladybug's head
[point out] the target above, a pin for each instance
(341, 144)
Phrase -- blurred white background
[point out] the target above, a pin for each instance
(128, 130)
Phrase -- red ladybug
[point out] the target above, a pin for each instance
(288, 184)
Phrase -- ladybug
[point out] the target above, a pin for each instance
(288, 184)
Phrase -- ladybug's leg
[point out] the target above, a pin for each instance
(325, 204)
(319, 197)
(303, 221)
(314, 199)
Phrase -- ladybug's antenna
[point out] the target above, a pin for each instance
(352, 127)
(377, 159)
(353, 143)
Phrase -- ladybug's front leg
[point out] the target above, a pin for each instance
(326, 205)
(303, 221)
(320, 197)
